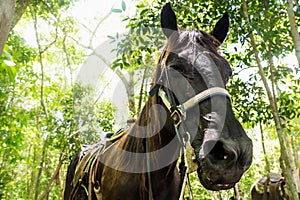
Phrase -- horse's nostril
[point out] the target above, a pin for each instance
(218, 153)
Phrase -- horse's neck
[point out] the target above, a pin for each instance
(151, 133)
(160, 133)
(156, 124)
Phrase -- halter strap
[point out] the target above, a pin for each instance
(178, 113)
(214, 91)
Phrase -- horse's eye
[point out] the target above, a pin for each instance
(178, 68)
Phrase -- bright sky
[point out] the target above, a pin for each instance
(86, 11)
(92, 71)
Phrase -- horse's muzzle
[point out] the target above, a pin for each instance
(222, 163)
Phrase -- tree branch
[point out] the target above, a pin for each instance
(68, 60)
(38, 179)
(97, 26)
(142, 89)
(82, 45)
(102, 92)
(54, 176)
(264, 147)
(34, 17)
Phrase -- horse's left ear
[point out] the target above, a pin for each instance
(221, 28)
(168, 20)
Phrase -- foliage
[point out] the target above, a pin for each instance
(33, 143)
(27, 136)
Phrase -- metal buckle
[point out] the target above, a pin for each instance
(177, 116)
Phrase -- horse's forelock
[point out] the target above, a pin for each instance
(185, 38)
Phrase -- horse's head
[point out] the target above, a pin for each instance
(194, 75)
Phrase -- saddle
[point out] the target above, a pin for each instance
(87, 165)
(271, 186)
(112, 137)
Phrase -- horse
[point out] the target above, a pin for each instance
(187, 102)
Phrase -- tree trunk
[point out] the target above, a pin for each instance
(129, 85)
(142, 89)
(54, 176)
(7, 9)
(130, 92)
(264, 147)
(39, 175)
(294, 28)
(286, 167)
(19, 11)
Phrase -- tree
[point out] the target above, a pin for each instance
(6, 17)
(294, 28)
(287, 160)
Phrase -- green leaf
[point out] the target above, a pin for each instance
(11, 71)
(110, 37)
(9, 63)
(7, 54)
(114, 10)
(123, 5)
(142, 13)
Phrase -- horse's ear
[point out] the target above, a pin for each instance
(168, 20)
(221, 28)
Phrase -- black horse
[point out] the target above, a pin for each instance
(187, 102)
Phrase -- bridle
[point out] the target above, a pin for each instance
(178, 112)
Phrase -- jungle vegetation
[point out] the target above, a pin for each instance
(46, 114)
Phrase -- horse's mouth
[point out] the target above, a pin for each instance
(210, 185)
(217, 180)
(221, 163)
